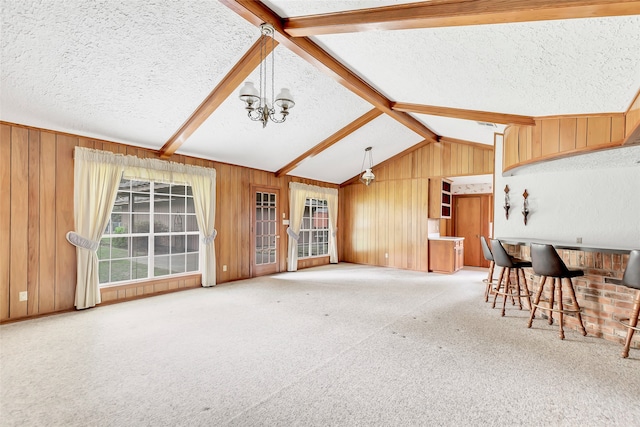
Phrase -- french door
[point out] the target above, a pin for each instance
(265, 231)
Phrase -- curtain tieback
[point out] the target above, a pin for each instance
(209, 239)
(292, 234)
(82, 242)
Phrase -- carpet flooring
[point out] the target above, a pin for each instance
(340, 345)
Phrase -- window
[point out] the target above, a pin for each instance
(152, 232)
(314, 231)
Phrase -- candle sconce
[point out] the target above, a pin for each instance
(525, 206)
(507, 206)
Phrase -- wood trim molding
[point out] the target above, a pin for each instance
(633, 101)
(562, 155)
(342, 133)
(220, 93)
(257, 13)
(457, 113)
(454, 13)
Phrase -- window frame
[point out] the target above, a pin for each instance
(189, 228)
(312, 232)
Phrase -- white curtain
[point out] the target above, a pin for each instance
(96, 181)
(298, 195)
(202, 181)
(204, 198)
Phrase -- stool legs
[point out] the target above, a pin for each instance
(560, 310)
(508, 289)
(489, 281)
(633, 323)
(572, 294)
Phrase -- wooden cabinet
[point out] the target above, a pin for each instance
(446, 255)
(439, 198)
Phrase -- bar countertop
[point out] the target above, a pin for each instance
(587, 247)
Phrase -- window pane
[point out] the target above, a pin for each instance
(192, 223)
(177, 223)
(177, 264)
(125, 184)
(161, 245)
(177, 244)
(189, 191)
(161, 203)
(161, 267)
(177, 204)
(272, 214)
(193, 243)
(120, 270)
(122, 203)
(161, 223)
(272, 256)
(178, 189)
(190, 206)
(161, 187)
(258, 198)
(192, 262)
(259, 214)
(104, 248)
(103, 272)
(140, 223)
(141, 186)
(140, 246)
(120, 247)
(140, 268)
(140, 202)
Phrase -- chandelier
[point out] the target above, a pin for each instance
(259, 107)
(367, 175)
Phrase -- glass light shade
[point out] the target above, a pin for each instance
(249, 93)
(367, 176)
(285, 99)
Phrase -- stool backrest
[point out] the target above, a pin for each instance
(485, 249)
(546, 261)
(631, 276)
(500, 256)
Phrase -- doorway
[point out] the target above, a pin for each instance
(265, 231)
(472, 215)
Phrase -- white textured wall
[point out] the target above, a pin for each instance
(594, 196)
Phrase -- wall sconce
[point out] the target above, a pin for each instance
(525, 206)
(507, 206)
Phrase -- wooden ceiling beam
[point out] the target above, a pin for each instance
(455, 13)
(480, 116)
(220, 93)
(257, 13)
(342, 133)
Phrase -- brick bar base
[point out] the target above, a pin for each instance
(599, 293)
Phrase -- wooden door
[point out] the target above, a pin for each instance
(265, 231)
(468, 224)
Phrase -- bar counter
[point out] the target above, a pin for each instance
(599, 292)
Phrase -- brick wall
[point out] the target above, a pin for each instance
(601, 296)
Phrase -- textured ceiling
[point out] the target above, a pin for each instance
(133, 71)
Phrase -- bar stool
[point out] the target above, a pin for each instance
(508, 263)
(548, 264)
(631, 279)
(489, 257)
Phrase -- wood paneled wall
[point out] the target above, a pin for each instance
(390, 215)
(633, 116)
(36, 171)
(556, 137)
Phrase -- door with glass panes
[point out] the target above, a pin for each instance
(265, 231)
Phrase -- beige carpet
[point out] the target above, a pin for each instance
(344, 345)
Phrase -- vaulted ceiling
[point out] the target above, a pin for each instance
(381, 73)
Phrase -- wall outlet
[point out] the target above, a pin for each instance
(578, 239)
(386, 255)
(23, 296)
(224, 267)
